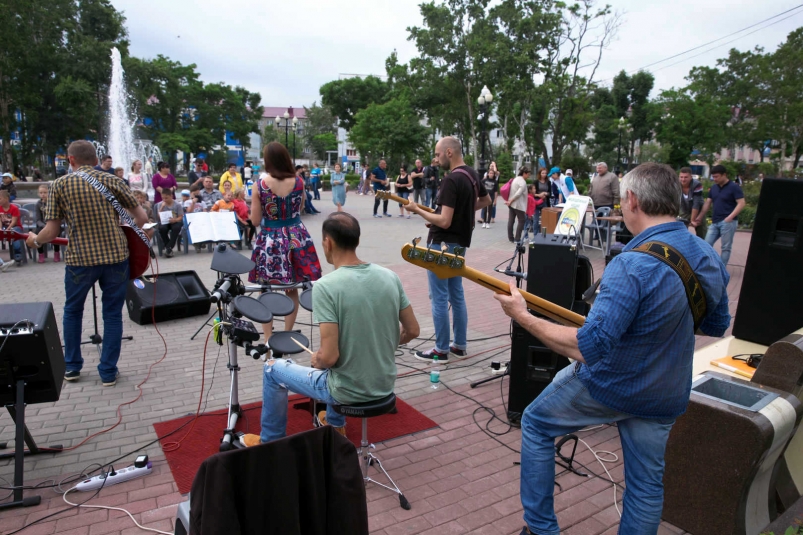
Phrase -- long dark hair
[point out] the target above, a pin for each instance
(277, 161)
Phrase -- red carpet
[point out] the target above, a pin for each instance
(204, 439)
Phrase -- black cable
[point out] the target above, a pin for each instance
(212, 381)
(71, 507)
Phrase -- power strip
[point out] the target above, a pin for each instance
(126, 474)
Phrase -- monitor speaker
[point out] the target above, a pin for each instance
(552, 269)
(772, 288)
(532, 368)
(172, 296)
(30, 351)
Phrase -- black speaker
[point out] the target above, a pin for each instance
(30, 351)
(772, 288)
(532, 368)
(174, 295)
(552, 269)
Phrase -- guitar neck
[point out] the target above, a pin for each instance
(542, 306)
(405, 202)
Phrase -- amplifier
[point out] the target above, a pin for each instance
(552, 269)
(532, 368)
(30, 351)
(177, 295)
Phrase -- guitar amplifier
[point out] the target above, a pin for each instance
(552, 269)
(30, 351)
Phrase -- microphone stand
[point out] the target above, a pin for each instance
(518, 257)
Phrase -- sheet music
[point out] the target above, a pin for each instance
(212, 226)
(164, 217)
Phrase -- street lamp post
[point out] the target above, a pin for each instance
(484, 101)
(621, 126)
(287, 123)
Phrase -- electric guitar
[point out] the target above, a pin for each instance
(445, 266)
(386, 195)
(138, 252)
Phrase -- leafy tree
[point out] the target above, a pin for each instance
(348, 96)
(392, 130)
(320, 130)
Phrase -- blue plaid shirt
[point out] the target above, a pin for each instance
(638, 340)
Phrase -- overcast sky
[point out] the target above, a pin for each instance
(287, 50)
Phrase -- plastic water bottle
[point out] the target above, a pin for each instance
(435, 373)
(248, 185)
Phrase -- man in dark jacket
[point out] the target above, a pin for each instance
(691, 202)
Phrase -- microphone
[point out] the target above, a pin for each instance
(222, 290)
(588, 294)
(510, 273)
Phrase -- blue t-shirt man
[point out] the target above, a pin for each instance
(724, 199)
(379, 174)
(315, 174)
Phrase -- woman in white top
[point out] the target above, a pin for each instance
(136, 180)
(517, 203)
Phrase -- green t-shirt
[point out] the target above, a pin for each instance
(364, 301)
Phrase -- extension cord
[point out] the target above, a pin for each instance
(126, 474)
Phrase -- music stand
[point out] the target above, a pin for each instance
(22, 364)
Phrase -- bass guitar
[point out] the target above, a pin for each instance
(446, 265)
(386, 195)
(138, 252)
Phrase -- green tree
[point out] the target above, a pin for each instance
(392, 130)
(348, 96)
(320, 130)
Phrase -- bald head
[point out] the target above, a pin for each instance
(449, 152)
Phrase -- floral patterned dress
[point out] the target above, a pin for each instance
(283, 252)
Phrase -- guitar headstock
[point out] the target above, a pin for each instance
(382, 194)
(444, 265)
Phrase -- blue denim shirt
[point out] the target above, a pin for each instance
(638, 340)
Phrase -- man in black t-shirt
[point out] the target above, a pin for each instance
(417, 175)
(461, 194)
(431, 183)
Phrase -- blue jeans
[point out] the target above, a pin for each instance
(529, 226)
(284, 375)
(429, 198)
(78, 281)
(443, 292)
(725, 231)
(315, 188)
(565, 406)
(16, 246)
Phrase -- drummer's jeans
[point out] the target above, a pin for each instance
(283, 376)
(564, 407)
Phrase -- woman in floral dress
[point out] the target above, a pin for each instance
(283, 251)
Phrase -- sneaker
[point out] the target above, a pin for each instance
(72, 376)
(456, 352)
(377, 215)
(250, 440)
(427, 355)
(41, 258)
(387, 215)
(408, 216)
(57, 256)
(113, 381)
(322, 419)
(7, 265)
(401, 215)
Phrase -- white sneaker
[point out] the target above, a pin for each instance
(7, 265)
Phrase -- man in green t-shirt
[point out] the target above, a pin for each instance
(352, 365)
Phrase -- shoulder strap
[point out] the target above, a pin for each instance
(471, 179)
(124, 216)
(694, 290)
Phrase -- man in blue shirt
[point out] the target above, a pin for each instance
(315, 178)
(728, 200)
(379, 180)
(634, 356)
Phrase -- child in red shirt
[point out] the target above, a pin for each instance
(533, 202)
(243, 217)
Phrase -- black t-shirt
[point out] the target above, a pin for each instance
(460, 193)
(403, 181)
(418, 182)
(430, 177)
(491, 184)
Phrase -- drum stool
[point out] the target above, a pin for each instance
(364, 411)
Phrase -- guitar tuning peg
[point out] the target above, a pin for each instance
(444, 247)
(416, 240)
(429, 256)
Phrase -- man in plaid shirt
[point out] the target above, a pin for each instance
(97, 252)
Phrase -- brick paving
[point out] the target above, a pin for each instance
(458, 479)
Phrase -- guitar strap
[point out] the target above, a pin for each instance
(124, 215)
(671, 257)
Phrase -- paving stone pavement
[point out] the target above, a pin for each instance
(458, 479)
